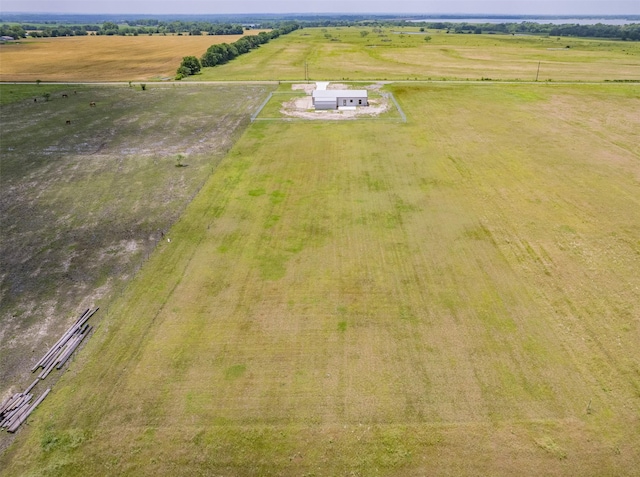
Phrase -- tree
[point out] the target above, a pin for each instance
(109, 28)
(182, 72)
(192, 64)
(223, 52)
(14, 31)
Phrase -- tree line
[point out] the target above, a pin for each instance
(14, 31)
(181, 27)
(57, 30)
(599, 30)
(172, 27)
(223, 52)
(131, 28)
(623, 32)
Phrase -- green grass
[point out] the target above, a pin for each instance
(442, 296)
(346, 55)
(272, 108)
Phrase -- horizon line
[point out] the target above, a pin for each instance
(461, 14)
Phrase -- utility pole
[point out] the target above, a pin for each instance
(538, 72)
(306, 71)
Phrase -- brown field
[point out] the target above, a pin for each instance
(102, 58)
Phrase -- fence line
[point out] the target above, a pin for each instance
(255, 115)
(404, 116)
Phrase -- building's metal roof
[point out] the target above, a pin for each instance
(334, 94)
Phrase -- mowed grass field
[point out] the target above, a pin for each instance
(343, 53)
(455, 295)
(102, 58)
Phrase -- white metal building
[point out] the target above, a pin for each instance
(338, 98)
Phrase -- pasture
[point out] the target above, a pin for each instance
(83, 204)
(455, 295)
(345, 54)
(102, 58)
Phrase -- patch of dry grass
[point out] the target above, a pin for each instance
(102, 58)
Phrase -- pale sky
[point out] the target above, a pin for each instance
(505, 7)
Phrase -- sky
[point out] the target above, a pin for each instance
(159, 7)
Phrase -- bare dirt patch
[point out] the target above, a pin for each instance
(306, 87)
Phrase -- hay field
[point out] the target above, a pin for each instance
(102, 58)
(457, 295)
(343, 53)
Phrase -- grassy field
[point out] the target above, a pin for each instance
(343, 53)
(83, 204)
(455, 295)
(102, 58)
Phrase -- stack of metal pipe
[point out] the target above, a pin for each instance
(15, 409)
(65, 346)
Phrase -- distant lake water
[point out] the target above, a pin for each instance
(553, 21)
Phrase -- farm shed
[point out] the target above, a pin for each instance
(336, 98)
